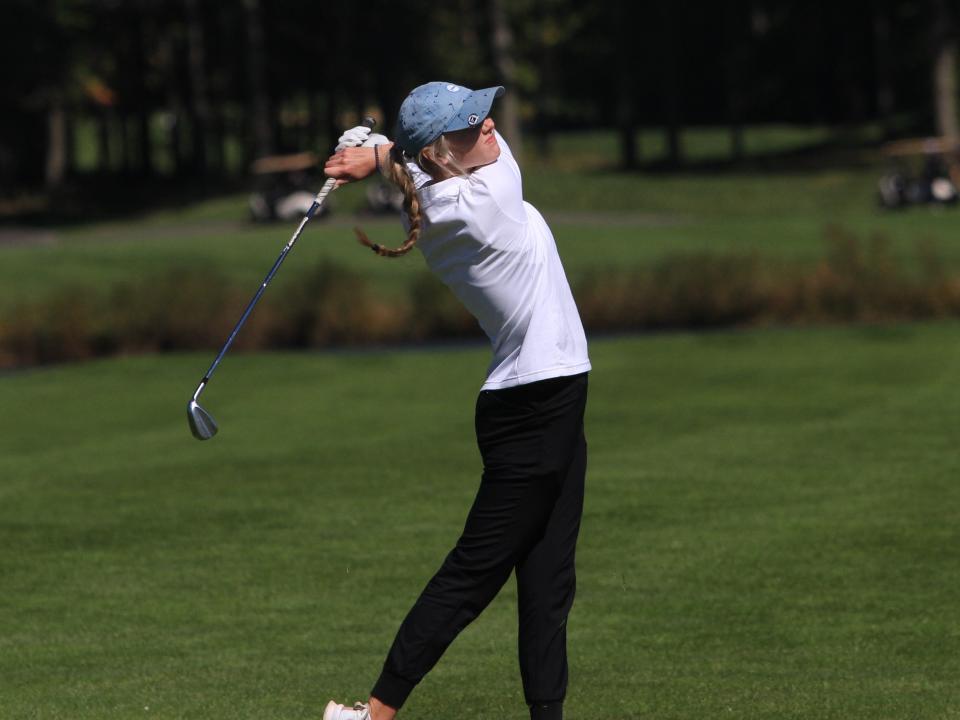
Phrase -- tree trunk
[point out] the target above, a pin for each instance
(883, 65)
(263, 130)
(145, 151)
(734, 68)
(945, 71)
(330, 119)
(71, 145)
(104, 156)
(175, 135)
(626, 116)
(217, 149)
(388, 92)
(127, 162)
(138, 23)
(56, 162)
(199, 101)
(672, 93)
(626, 104)
(509, 111)
(315, 135)
(550, 39)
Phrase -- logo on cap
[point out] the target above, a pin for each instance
(453, 88)
(473, 119)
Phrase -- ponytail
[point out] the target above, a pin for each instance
(394, 168)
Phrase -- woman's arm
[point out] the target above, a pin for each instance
(355, 163)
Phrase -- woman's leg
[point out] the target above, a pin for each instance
(546, 582)
(518, 432)
(379, 711)
(505, 520)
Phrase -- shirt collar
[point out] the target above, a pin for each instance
(432, 193)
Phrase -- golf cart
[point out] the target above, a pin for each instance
(285, 186)
(384, 198)
(926, 171)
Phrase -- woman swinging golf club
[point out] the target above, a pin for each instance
(464, 210)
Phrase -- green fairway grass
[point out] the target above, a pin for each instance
(772, 530)
(92, 258)
(603, 219)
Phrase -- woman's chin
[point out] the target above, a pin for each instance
(488, 161)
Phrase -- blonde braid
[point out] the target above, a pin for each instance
(396, 172)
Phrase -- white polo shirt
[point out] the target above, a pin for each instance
(497, 255)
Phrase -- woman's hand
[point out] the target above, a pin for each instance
(350, 164)
(356, 163)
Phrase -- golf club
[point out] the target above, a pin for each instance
(202, 424)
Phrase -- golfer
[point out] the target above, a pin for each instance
(464, 211)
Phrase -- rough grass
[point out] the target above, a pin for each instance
(771, 531)
(590, 242)
(334, 306)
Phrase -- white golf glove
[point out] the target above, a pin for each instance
(359, 136)
(375, 139)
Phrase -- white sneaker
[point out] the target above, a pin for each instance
(336, 711)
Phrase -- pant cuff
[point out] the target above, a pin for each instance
(392, 690)
(546, 711)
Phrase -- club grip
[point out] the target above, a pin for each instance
(369, 122)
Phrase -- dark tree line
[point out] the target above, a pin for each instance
(199, 88)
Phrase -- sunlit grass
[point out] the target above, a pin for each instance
(771, 530)
(600, 216)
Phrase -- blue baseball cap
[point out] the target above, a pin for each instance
(438, 107)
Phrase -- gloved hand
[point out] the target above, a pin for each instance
(354, 137)
(359, 136)
(376, 139)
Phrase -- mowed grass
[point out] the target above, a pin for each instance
(772, 530)
(603, 220)
(92, 258)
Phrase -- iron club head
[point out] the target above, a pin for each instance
(202, 425)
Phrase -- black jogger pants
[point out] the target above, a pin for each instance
(525, 518)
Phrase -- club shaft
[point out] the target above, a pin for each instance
(317, 203)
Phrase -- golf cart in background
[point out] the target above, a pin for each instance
(384, 198)
(285, 186)
(926, 171)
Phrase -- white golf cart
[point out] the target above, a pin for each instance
(285, 186)
(926, 171)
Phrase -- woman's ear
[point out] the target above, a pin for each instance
(435, 158)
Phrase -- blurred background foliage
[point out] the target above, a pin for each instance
(701, 164)
(179, 89)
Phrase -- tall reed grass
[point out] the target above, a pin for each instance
(855, 281)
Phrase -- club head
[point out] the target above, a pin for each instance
(202, 425)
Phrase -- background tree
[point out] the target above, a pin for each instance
(627, 65)
(944, 32)
(256, 88)
(503, 58)
(197, 89)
